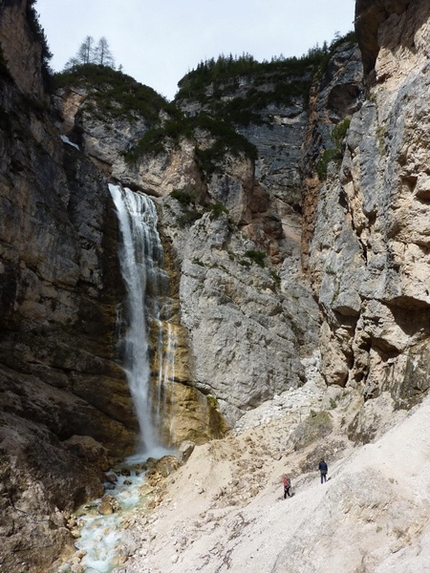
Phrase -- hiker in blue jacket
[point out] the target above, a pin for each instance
(323, 467)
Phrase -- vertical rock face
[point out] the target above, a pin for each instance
(232, 232)
(333, 99)
(65, 406)
(247, 327)
(19, 48)
(369, 16)
(371, 270)
(243, 314)
(267, 104)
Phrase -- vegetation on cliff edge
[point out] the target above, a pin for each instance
(232, 92)
(114, 93)
(39, 35)
(334, 153)
(237, 89)
(223, 137)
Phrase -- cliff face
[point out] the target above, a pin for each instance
(370, 272)
(369, 16)
(66, 409)
(62, 395)
(232, 235)
(264, 283)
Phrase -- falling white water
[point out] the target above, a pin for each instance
(141, 261)
(105, 539)
(166, 370)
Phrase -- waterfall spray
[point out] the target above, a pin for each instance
(141, 261)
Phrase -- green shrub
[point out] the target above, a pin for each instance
(226, 140)
(217, 210)
(184, 196)
(151, 142)
(322, 166)
(334, 154)
(212, 400)
(339, 132)
(257, 257)
(318, 425)
(188, 218)
(155, 139)
(226, 137)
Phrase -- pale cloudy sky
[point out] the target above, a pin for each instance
(158, 41)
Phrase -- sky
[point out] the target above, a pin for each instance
(158, 41)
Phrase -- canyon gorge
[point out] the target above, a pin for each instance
(286, 300)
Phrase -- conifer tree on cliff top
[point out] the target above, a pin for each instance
(91, 53)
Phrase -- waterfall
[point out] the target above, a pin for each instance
(147, 312)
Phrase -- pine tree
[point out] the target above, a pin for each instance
(86, 51)
(89, 53)
(103, 55)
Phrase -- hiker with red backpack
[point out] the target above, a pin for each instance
(287, 485)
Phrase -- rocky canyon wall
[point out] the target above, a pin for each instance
(241, 325)
(368, 222)
(65, 406)
(305, 239)
(245, 317)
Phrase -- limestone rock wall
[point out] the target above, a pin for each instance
(368, 253)
(334, 97)
(248, 325)
(246, 317)
(65, 408)
(187, 412)
(105, 140)
(265, 199)
(274, 215)
(243, 326)
(369, 15)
